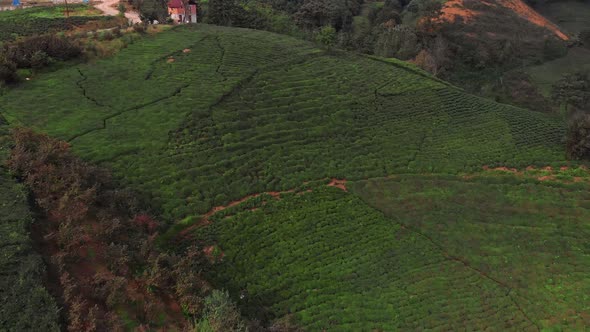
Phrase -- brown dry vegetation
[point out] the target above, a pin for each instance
(97, 241)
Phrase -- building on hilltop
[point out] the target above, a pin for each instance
(182, 11)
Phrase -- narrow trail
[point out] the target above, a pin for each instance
(184, 234)
(109, 8)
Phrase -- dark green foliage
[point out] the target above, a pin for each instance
(578, 137)
(151, 10)
(220, 314)
(222, 12)
(573, 90)
(401, 42)
(37, 51)
(318, 13)
(32, 21)
(7, 70)
(26, 304)
(326, 36)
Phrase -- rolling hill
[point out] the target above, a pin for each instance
(233, 134)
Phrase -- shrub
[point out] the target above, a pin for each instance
(23, 51)
(578, 137)
(40, 59)
(326, 36)
(121, 8)
(7, 71)
(139, 28)
(401, 42)
(220, 314)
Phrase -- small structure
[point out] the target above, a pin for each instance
(182, 11)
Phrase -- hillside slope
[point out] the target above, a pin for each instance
(199, 116)
(495, 17)
(500, 32)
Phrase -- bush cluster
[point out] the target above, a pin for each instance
(578, 137)
(38, 51)
(100, 228)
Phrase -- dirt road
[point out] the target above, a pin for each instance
(109, 7)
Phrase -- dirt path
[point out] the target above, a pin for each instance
(334, 182)
(109, 7)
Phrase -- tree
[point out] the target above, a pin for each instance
(151, 10)
(428, 11)
(578, 137)
(400, 42)
(318, 13)
(220, 315)
(326, 36)
(573, 90)
(221, 12)
(7, 71)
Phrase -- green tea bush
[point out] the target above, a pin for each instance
(40, 20)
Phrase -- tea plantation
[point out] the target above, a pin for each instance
(199, 116)
(447, 254)
(38, 20)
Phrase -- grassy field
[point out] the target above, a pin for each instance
(197, 117)
(38, 20)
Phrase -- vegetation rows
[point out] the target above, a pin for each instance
(41, 20)
(200, 116)
(203, 115)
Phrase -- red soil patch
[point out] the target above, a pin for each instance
(546, 178)
(455, 9)
(532, 16)
(170, 60)
(186, 50)
(208, 251)
(338, 183)
(502, 169)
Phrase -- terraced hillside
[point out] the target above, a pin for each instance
(198, 117)
(440, 253)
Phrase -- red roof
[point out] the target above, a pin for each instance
(175, 4)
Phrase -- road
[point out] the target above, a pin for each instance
(109, 7)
